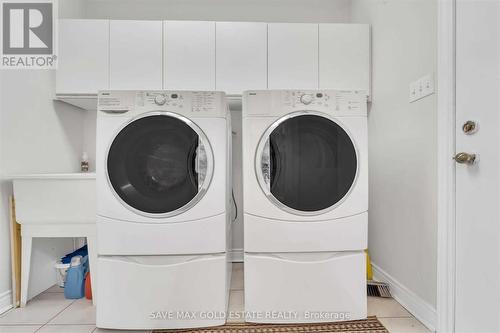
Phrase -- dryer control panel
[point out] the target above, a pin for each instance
(272, 103)
(334, 100)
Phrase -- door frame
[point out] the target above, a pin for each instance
(446, 236)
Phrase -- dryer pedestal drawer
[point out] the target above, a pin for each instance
(155, 292)
(265, 235)
(305, 287)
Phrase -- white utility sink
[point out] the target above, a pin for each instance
(63, 198)
(55, 205)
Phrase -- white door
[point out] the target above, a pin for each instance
(293, 56)
(477, 296)
(135, 54)
(241, 56)
(83, 66)
(189, 55)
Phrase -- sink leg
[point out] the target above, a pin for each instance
(27, 242)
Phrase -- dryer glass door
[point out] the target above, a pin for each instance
(160, 164)
(308, 163)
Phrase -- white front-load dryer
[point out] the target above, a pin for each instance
(305, 175)
(163, 208)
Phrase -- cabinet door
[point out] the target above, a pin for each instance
(83, 65)
(344, 56)
(189, 56)
(135, 54)
(293, 56)
(241, 56)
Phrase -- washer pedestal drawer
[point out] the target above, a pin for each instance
(305, 287)
(162, 292)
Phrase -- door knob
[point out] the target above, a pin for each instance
(469, 127)
(465, 158)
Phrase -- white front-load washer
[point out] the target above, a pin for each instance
(305, 178)
(163, 163)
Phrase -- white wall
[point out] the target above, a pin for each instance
(223, 10)
(237, 188)
(4, 226)
(72, 9)
(37, 135)
(5, 271)
(403, 143)
(89, 137)
(40, 135)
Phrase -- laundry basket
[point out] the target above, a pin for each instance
(62, 270)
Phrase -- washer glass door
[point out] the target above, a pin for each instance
(160, 164)
(306, 163)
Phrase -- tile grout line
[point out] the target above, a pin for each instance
(18, 324)
(411, 318)
(87, 324)
(57, 314)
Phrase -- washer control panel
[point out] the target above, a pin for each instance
(204, 101)
(306, 99)
(194, 101)
(160, 99)
(200, 103)
(154, 99)
(115, 102)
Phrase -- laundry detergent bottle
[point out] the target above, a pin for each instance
(74, 287)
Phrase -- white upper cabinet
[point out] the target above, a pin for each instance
(83, 64)
(189, 55)
(135, 54)
(241, 56)
(293, 56)
(344, 56)
(200, 55)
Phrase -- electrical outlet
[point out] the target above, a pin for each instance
(413, 96)
(421, 88)
(427, 83)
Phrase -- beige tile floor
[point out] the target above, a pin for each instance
(50, 312)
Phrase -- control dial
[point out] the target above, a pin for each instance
(160, 99)
(306, 99)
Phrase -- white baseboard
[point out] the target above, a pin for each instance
(419, 308)
(236, 255)
(5, 301)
